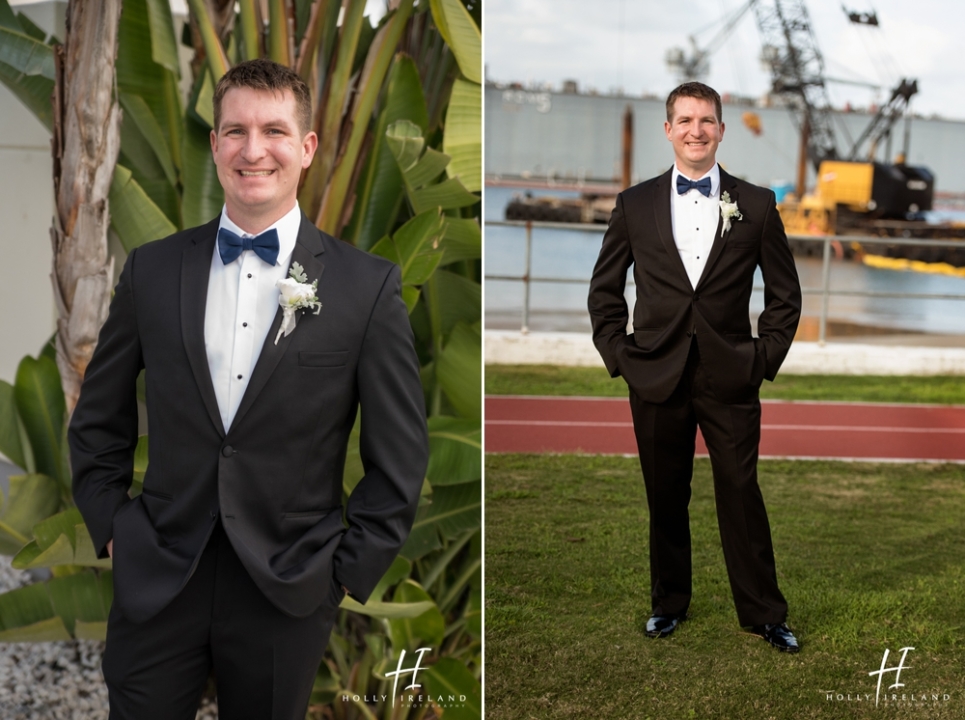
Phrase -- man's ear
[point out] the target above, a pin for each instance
(214, 142)
(721, 132)
(667, 128)
(309, 146)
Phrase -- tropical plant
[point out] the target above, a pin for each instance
(397, 108)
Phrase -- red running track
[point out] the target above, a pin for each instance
(871, 431)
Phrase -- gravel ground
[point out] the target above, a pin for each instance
(55, 680)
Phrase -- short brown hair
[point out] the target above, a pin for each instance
(694, 90)
(264, 74)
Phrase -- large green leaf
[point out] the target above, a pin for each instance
(34, 91)
(415, 248)
(10, 442)
(9, 19)
(137, 112)
(139, 74)
(62, 539)
(458, 298)
(214, 50)
(398, 572)
(51, 610)
(420, 168)
(379, 192)
(387, 610)
(413, 632)
(369, 87)
(461, 34)
(463, 138)
(249, 47)
(203, 197)
(462, 241)
(40, 402)
(447, 677)
(459, 370)
(25, 54)
(454, 510)
(164, 47)
(134, 216)
(31, 499)
(455, 451)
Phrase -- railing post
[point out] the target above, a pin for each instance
(526, 273)
(825, 291)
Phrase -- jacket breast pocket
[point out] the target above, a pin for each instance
(337, 358)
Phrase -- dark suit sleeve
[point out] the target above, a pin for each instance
(782, 293)
(103, 429)
(607, 303)
(394, 446)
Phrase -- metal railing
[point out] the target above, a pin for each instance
(825, 290)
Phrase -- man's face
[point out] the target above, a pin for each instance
(260, 152)
(695, 134)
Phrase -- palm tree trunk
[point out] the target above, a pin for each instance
(87, 137)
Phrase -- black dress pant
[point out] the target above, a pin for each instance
(264, 661)
(666, 436)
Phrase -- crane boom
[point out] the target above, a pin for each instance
(791, 52)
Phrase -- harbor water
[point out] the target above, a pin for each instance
(571, 254)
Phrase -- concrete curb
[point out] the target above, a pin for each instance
(805, 358)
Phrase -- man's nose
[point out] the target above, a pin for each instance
(254, 147)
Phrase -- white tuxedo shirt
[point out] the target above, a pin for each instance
(694, 219)
(241, 305)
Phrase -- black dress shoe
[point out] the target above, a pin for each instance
(778, 635)
(659, 626)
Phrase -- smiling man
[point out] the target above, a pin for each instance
(694, 237)
(235, 556)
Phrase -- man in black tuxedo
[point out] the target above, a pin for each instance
(695, 236)
(235, 556)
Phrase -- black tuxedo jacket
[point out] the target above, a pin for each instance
(669, 310)
(275, 477)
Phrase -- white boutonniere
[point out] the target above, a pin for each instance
(729, 210)
(296, 294)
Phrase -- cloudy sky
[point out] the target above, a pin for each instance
(622, 43)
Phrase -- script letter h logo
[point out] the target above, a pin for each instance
(896, 670)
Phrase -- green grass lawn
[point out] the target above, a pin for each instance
(596, 382)
(869, 556)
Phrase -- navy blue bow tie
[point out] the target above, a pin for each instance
(685, 184)
(230, 245)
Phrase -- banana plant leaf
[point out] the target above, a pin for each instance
(461, 34)
(455, 451)
(40, 404)
(26, 54)
(454, 510)
(420, 166)
(456, 299)
(379, 191)
(416, 631)
(414, 248)
(62, 539)
(462, 241)
(459, 372)
(448, 678)
(31, 498)
(134, 216)
(388, 610)
(11, 443)
(463, 138)
(72, 605)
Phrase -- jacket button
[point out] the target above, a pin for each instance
(696, 298)
(214, 515)
(689, 334)
(227, 451)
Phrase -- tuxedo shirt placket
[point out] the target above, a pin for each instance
(241, 305)
(694, 220)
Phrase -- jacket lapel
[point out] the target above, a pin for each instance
(729, 185)
(308, 248)
(661, 211)
(195, 270)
